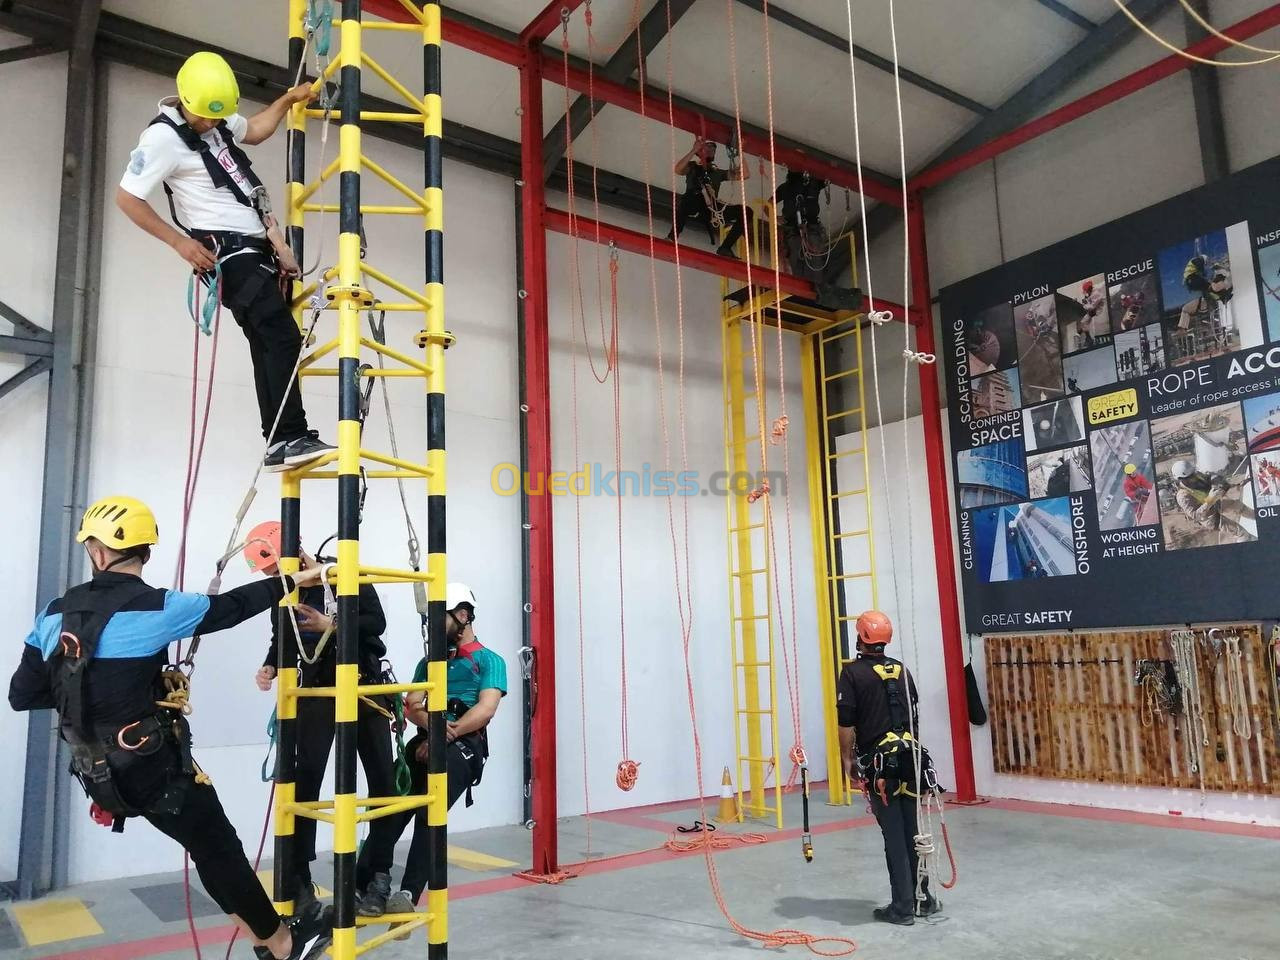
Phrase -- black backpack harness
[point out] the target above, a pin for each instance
(892, 760)
(100, 753)
(257, 199)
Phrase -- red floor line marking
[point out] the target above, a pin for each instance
(1112, 815)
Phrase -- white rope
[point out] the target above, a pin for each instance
(878, 318)
(1237, 689)
(1184, 655)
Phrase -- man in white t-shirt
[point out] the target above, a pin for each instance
(222, 211)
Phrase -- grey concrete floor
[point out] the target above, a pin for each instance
(1035, 883)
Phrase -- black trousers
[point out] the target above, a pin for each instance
(462, 773)
(251, 291)
(373, 745)
(202, 828)
(693, 206)
(899, 826)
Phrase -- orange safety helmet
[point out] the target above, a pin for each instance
(874, 628)
(262, 549)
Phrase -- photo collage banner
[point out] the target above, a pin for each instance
(1114, 409)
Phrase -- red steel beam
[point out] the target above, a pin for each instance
(940, 506)
(540, 27)
(1167, 67)
(553, 69)
(480, 41)
(537, 347)
(452, 31)
(635, 242)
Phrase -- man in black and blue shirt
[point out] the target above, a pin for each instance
(99, 656)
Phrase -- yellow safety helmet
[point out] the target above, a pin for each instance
(207, 86)
(119, 523)
(1130, 468)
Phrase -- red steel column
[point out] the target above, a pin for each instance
(538, 393)
(921, 311)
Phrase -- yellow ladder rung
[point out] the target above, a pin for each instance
(841, 376)
(851, 533)
(756, 616)
(845, 453)
(848, 493)
(754, 438)
(843, 413)
(751, 710)
(745, 759)
(754, 663)
(751, 573)
(850, 576)
(750, 526)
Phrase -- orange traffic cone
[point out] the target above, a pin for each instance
(728, 799)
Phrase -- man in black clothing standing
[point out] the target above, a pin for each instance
(317, 665)
(873, 697)
(99, 656)
(701, 198)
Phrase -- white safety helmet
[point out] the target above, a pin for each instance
(1183, 468)
(457, 594)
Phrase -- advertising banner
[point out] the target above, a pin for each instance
(1114, 408)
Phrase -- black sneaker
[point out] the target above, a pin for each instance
(929, 907)
(305, 902)
(273, 462)
(304, 449)
(890, 915)
(374, 901)
(311, 936)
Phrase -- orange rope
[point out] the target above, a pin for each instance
(955, 871)
(684, 589)
(778, 433)
(677, 842)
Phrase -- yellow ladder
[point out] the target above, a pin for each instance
(750, 577)
(346, 290)
(840, 508)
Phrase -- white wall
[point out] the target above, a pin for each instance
(659, 712)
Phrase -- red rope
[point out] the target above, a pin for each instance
(195, 456)
(684, 589)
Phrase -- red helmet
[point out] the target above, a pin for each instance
(1087, 286)
(874, 628)
(262, 549)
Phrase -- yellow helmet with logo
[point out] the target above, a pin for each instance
(207, 86)
(119, 523)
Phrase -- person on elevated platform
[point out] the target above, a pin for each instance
(701, 198)
(98, 655)
(806, 241)
(227, 233)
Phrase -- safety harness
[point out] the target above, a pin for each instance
(892, 761)
(256, 199)
(100, 754)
